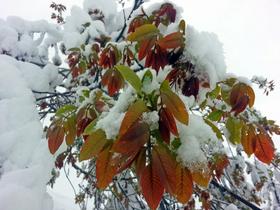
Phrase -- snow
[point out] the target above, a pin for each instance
(25, 160)
(231, 207)
(206, 52)
(28, 40)
(196, 138)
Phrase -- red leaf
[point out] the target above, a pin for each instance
(167, 118)
(145, 47)
(164, 132)
(164, 164)
(132, 141)
(152, 188)
(264, 150)
(171, 41)
(55, 137)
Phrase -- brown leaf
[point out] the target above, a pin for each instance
(264, 150)
(132, 115)
(132, 141)
(201, 177)
(55, 137)
(105, 170)
(165, 165)
(152, 188)
(174, 105)
(184, 184)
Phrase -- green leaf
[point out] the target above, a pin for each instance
(90, 128)
(65, 109)
(215, 93)
(147, 78)
(93, 145)
(130, 76)
(234, 127)
(215, 129)
(143, 32)
(176, 143)
(215, 115)
(75, 49)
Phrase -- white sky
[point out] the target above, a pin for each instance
(249, 30)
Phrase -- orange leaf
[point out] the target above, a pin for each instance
(145, 47)
(133, 113)
(132, 141)
(167, 118)
(55, 137)
(105, 170)
(152, 188)
(184, 184)
(201, 177)
(93, 145)
(165, 165)
(264, 150)
(248, 139)
(171, 41)
(174, 104)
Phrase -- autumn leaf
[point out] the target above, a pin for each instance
(143, 32)
(165, 165)
(93, 145)
(167, 118)
(171, 41)
(134, 138)
(184, 184)
(145, 47)
(248, 139)
(140, 162)
(173, 103)
(55, 136)
(202, 177)
(152, 188)
(264, 150)
(241, 95)
(113, 80)
(132, 115)
(105, 170)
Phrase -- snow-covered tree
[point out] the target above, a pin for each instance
(143, 110)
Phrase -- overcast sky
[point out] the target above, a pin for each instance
(249, 30)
